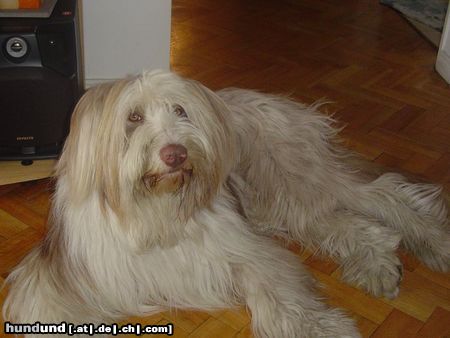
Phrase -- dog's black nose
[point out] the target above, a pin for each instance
(173, 155)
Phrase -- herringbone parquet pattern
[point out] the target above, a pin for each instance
(377, 71)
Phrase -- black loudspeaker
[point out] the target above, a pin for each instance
(40, 82)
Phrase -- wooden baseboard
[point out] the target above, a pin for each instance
(14, 171)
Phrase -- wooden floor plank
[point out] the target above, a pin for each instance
(9, 225)
(365, 326)
(187, 320)
(419, 296)
(236, 318)
(355, 300)
(398, 325)
(213, 328)
(438, 325)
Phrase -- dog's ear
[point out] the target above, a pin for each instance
(89, 161)
(215, 122)
(211, 115)
(77, 165)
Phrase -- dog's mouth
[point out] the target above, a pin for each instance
(170, 180)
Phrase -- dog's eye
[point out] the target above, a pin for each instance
(135, 117)
(179, 110)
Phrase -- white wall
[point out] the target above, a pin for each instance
(122, 37)
(443, 58)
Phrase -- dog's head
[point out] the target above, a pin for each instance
(152, 136)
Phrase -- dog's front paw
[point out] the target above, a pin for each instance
(379, 276)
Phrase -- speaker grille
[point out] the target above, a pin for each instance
(35, 107)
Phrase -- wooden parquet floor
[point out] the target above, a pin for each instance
(378, 73)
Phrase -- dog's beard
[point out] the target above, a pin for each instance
(189, 185)
(188, 188)
(170, 181)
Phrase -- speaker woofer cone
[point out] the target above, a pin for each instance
(16, 48)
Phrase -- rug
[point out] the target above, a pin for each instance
(428, 12)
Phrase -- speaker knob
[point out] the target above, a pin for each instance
(16, 47)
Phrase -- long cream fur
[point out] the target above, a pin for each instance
(127, 237)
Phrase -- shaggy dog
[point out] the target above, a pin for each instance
(168, 195)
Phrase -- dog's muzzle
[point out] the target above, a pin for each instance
(179, 170)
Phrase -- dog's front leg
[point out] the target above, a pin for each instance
(362, 245)
(279, 293)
